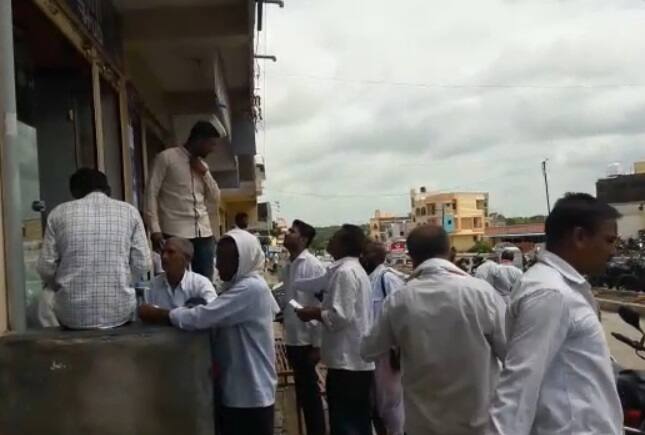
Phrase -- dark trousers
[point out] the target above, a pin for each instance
(348, 396)
(246, 421)
(307, 391)
(203, 256)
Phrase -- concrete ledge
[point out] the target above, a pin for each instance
(613, 305)
(132, 380)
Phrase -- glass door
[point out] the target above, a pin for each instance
(32, 209)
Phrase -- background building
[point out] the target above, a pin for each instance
(462, 214)
(385, 227)
(627, 194)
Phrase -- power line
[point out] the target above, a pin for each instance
(370, 82)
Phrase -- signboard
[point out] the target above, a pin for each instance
(449, 223)
(397, 247)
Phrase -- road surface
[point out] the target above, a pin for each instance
(611, 322)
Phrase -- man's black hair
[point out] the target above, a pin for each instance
(239, 219)
(508, 255)
(428, 241)
(353, 239)
(305, 230)
(202, 130)
(88, 180)
(576, 210)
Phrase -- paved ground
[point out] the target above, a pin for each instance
(624, 354)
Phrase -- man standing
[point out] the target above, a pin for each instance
(558, 377)
(244, 345)
(506, 275)
(449, 328)
(345, 314)
(242, 221)
(303, 339)
(179, 191)
(486, 270)
(388, 393)
(92, 249)
(177, 286)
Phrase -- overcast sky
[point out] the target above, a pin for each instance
(370, 98)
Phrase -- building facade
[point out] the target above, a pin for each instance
(627, 194)
(109, 84)
(385, 227)
(462, 214)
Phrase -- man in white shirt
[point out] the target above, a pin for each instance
(506, 275)
(388, 393)
(345, 315)
(303, 339)
(177, 286)
(449, 328)
(486, 271)
(93, 249)
(244, 344)
(558, 376)
(180, 192)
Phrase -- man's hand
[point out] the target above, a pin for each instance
(157, 241)
(154, 315)
(308, 314)
(198, 165)
(314, 355)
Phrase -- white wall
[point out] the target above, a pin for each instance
(633, 219)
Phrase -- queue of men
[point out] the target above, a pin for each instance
(439, 353)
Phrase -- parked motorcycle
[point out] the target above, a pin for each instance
(631, 383)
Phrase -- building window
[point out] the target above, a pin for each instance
(433, 209)
(375, 227)
(478, 222)
(454, 204)
(423, 211)
(481, 204)
(418, 212)
(467, 223)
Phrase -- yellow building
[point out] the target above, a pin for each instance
(386, 226)
(462, 214)
(639, 167)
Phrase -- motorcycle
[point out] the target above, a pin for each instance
(631, 383)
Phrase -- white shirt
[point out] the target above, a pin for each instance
(449, 327)
(384, 282)
(346, 314)
(558, 377)
(297, 332)
(91, 250)
(485, 271)
(177, 198)
(504, 277)
(192, 285)
(244, 344)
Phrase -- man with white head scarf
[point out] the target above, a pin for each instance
(244, 345)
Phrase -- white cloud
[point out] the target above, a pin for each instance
(370, 98)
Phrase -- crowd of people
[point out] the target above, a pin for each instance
(437, 352)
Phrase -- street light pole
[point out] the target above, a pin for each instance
(546, 186)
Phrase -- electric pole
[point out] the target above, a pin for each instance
(546, 186)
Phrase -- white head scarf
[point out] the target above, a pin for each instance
(250, 253)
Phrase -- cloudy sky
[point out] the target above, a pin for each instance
(370, 98)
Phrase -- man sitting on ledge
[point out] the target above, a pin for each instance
(92, 248)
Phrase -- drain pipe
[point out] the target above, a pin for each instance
(11, 200)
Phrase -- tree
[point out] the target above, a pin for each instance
(481, 247)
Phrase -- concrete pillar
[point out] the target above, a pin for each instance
(10, 157)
